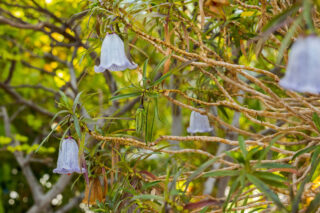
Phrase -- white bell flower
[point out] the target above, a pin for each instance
(199, 123)
(68, 159)
(303, 70)
(113, 56)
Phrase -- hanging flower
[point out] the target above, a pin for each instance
(113, 56)
(303, 70)
(199, 123)
(94, 192)
(68, 161)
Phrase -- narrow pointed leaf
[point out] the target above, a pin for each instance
(221, 173)
(144, 75)
(265, 189)
(124, 96)
(77, 125)
(242, 145)
(62, 122)
(273, 165)
(314, 205)
(306, 150)
(76, 101)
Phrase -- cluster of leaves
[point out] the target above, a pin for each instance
(130, 191)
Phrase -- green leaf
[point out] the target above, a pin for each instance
(236, 156)
(127, 95)
(75, 102)
(314, 164)
(274, 165)
(157, 68)
(233, 188)
(64, 99)
(147, 197)
(144, 75)
(270, 176)
(266, 150)
(150, 184)
(82, 143)
(197, 172)
(287, 39)
(265, 189)
(316, 120)
(307, 14)
(149, 137)
(254, 151)
(131, 87)
(146, 123)
(156, 106)
(245, 203)
(61, 123)
(242, 145)
(314, 205)
(108, 118)
(57, 114)
(280, 18)
(64, 134)
(224, 112)
(77, 125)
(140, 120)
(172, 187)
(221, 173)
(204, 210)
(256, 210)
(162, 78)
(306, 150)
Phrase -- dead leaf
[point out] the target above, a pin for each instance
(201, 204)
(93, 192)
(214, 8)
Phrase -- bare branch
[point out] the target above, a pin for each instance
(58, 187)
(35, 187)
(28, 103)
(11, 70)
(4, 20)
(71, 203)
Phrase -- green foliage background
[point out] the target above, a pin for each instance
(49, 49)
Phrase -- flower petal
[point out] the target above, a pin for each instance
(113, 56)
(199, 123)
(303, 70)
(68, 161)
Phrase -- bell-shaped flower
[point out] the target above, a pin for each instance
(113, 56)
(303, 70)
(68, 159)
(199, 123)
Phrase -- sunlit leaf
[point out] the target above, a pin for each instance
(266, 190)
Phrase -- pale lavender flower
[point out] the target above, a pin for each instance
(199, 123)
(113, 56)
(68, 161)
(303, 70)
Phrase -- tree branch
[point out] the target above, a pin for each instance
(4, 20)
(11, 70)
(58, 188)
(35, 187)
(28, 103)
(71, 203)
